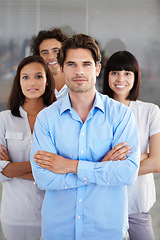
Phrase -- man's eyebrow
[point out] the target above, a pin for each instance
(88, 62)
(55, 48)
(69, 62)
(44, 50)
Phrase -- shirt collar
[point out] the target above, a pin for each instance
(66, 104)
(23, 113)
(61, 90)
(98, 103)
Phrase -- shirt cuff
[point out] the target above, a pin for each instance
(3, 178)
(85, 171)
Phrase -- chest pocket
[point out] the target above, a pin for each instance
(13, 140)
(14, 135)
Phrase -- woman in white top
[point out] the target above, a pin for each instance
(32, 90)
(122, 82)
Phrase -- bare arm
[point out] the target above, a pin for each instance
(55, 163)
(150, 162)
(119, 152)
(27, 176)
(17, 169)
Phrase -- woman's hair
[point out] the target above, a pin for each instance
(122, 60)
(17, 97)
(79, 41)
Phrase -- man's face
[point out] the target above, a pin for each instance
(48, 51)
(79, 70)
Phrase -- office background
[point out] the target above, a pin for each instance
(132, 25)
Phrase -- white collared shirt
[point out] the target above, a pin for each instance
(63, 91)
(21, 199)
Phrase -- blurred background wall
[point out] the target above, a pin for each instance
(133, 25)
(116, 25)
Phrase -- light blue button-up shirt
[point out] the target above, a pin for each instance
(91, 205)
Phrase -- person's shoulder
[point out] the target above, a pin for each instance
(111, 103)
(6, 117)
(115, 109)
(144, 106)
(5, 113)
(52, 109)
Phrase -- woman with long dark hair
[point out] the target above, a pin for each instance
(33, 90)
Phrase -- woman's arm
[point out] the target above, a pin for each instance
(27, 176)
(150, 162)
(16, 169)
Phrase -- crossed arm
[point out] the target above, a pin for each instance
(61, 165)
(54, 162)
(150, 162)
(16, 169)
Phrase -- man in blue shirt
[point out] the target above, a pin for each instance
(75, 157)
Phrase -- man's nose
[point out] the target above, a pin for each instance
(79, 71)
(52, 55)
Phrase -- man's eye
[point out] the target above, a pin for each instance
(87, 64)
(70, 64)
(56, 50)
(44, 53)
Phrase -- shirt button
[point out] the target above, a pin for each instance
(107, 183)
(85, 182)
(79, 217)
(82, 134)
(82, 151)
(80, 200)
(65, 187)
(85, 178)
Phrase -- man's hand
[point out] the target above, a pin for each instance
(119, 152)
(4, 153)
(55, 163)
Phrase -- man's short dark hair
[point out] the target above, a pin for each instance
(55, 33)
(79, 41)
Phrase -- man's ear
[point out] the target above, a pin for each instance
(61, 69)
(98, 69)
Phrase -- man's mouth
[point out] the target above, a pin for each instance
(52, 63)
(79, 80)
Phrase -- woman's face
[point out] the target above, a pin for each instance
(121, 82)
(33, 80)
